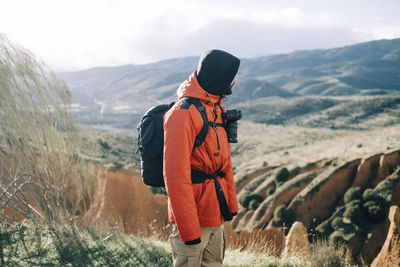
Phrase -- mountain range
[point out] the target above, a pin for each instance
(102, 95)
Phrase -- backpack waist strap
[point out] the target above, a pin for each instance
(199, 177)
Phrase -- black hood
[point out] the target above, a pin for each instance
(216, 71)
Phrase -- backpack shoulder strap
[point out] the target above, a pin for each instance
(203, 132)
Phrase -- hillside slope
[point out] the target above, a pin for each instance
(123, 93)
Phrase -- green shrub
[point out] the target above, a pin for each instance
(118, 165)
(104, 144)
(354, 212)
(254, 204)
(368, 194)
(376, 210)
(282, 175)
(265, 164)
(271, 191)
(246, 198)
(323, 230)
(283, 216)
(336, 238)
(353, 193)
(337, 223)
(295, 171)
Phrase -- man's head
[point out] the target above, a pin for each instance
(216, 72)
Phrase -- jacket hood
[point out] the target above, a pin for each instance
(216, 71)
(192, 88)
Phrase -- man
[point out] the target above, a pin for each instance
(194, 208)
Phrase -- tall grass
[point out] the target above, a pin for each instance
(39, 142)
(66, 245)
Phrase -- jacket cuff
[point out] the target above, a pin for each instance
(193, 242)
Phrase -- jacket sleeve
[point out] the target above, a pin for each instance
(179, 136)
(230, 182)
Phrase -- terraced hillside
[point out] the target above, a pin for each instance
(345, 201)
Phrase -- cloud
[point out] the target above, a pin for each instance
(75, 34)
(250, 39)
(377, 33)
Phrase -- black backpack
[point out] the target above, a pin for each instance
(151, 146)
(151, 140)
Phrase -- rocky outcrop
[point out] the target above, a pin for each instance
(296, 244)
(282, 195)
(318, 199)
(387, 165)
(367, 172)
(243, 181)
(244, 220)
(390, 252)
(386, 188)
(255, 184)
(375, 241)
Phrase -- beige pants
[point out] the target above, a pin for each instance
(210, 252)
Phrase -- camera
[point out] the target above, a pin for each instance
(231, 117)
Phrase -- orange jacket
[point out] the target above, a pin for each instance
(193, 205)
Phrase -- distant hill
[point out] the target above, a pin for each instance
(371, 68)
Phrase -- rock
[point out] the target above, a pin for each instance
(240, 225)
(319, 198)
(388, 163)
(390, 252)
(235, 221)
(250, 177)
(296, 244)
(367, 172)
(283, 194)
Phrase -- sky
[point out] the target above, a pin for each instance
(70, 35)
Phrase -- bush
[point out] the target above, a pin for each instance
(42, 142)
(246, 198)
(368, 194)
(271, 191)
(118, 165)
(336, 238)
(104, 144)
(354, 212)
(323, 230)
(353, 193)
(337, 223)
(254, 204)
(295, 171)
(283, 216)
(265, 164)
(376, 210)
(282, 175)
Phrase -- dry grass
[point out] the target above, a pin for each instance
(39, 141)
(325, 255)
